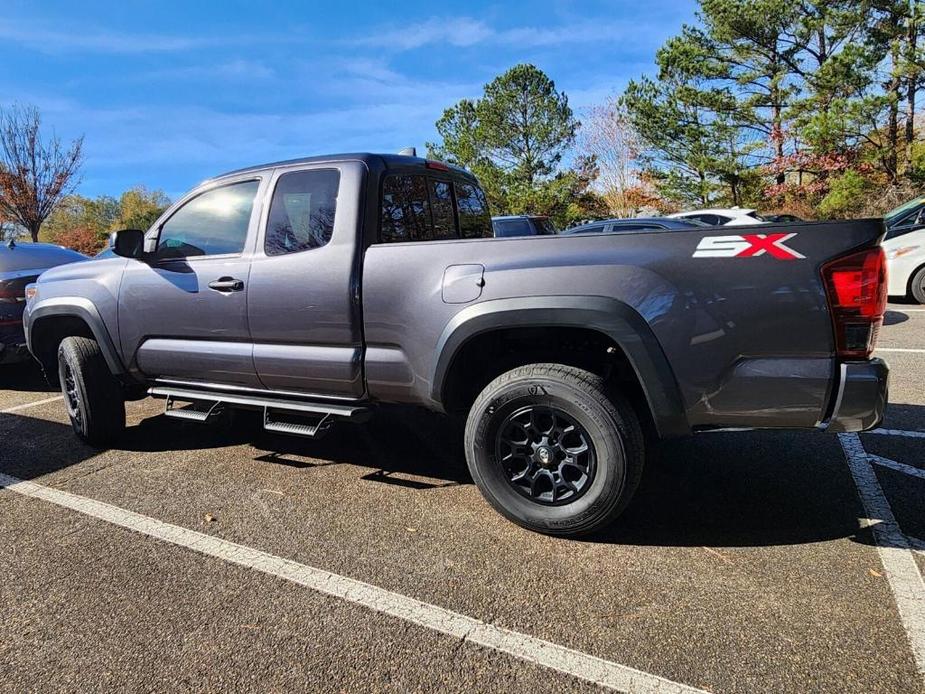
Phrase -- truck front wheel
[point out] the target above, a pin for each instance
(552, 451)
(92, 395)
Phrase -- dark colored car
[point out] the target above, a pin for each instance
(313, 290)
(613, 226)
(523, 225)
(21, 264)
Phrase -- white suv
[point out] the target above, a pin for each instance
(729, 216)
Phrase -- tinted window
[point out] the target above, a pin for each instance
(596, 229)
(626, 227)
(405, 209)
(441, 201)
(513, 227)
(302, 211)
(545, 226)
(474, 220)
(213, 223)
(709, 219)
(720, 219)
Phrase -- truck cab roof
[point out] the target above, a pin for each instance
(371, 159)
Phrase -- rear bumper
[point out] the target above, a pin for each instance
(862, 396)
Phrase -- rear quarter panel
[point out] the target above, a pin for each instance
(749, 339)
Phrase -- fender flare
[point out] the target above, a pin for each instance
(605, 315)
(76, 307)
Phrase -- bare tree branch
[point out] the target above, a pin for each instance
(36, 173)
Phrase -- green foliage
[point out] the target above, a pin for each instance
(774, 89)
(847, 195)
(513, 139)
(916, 171)
(78, 212)
(139, 207)
(79, 217)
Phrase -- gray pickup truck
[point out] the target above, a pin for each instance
(313, 289)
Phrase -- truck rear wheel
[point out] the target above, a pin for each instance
(552, 451)
(91, 393)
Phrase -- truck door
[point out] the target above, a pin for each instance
(183, 312)
(303, 296)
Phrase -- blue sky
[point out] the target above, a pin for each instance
(168, 93)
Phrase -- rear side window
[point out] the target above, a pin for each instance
(441, 202)
(513, 227)
(596, 229)
(474, 220)
(302, 211)
(406, 214)
(416, 207)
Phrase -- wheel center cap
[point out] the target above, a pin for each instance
(544, 455)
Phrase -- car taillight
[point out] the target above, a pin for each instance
(857, 292)
(12, 291)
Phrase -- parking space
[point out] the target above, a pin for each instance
(204, 558)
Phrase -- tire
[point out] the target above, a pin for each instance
(525, 400)
(917, 286)
(92, 395)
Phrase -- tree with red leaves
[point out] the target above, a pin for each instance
(35, 173)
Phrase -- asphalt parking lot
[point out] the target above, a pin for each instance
(194, 558)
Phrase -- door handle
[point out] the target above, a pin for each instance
(227, 284)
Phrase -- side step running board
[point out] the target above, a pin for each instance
(297, 417)
(194, 410)
(310, 427)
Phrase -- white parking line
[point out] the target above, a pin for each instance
(894, 548)
(27, 405)
(900, 349)
(899, 467)
(533, 650)
(898, 432)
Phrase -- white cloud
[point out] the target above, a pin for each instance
(463, 32)
(51, 41)
(459, 32)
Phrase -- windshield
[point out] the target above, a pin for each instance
(902, 209)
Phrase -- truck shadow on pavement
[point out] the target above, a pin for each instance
(25, 377)
(894, 317)
(712, 490)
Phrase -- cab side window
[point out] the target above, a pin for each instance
(302, 211)
(213, 223)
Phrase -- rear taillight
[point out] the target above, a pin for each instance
(857, 293)
(12, 291)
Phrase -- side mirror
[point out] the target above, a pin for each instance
(128, 243)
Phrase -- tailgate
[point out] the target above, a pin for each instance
(750, 336)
